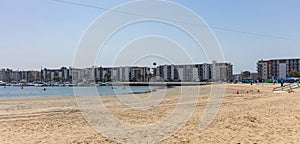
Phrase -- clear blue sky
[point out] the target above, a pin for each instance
(35, 33)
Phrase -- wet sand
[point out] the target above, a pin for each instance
(253, 117)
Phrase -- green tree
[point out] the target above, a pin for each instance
(56, 78)
(134, 79)
(107, 77)
(245, 74)
(63, 68)
(294, 73)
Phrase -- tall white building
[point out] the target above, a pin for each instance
(188, 73)
(262, 69)
(196, 72)
(124, 74)
(77, 75)
(115, 74)
(222, 71)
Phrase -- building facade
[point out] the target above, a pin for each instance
(176, 73)
(10, 76)
(204, 72)
(196, 72)
(222, 71)
(171, 73)
(262, 69)
(277, 68)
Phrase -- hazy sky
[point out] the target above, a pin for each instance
(35, 33)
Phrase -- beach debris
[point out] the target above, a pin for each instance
(249, 91)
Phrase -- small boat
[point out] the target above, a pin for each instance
(29, 84)
(40, 84)
(18, 84)
(55, 84)
(2, 83)
(69, 84)
(102, 84)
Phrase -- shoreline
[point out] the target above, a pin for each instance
(253, 117)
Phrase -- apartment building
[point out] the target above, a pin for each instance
(139, 74)
(8, 75)
(222, 71)
(196, 72)
(277, 68)
(123, 74)
(262, 69)
(204, 71)
(184, 73)
(168, 72)
(178, 72)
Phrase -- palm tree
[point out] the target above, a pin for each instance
(107, 77)
(154, 68)
(63, 68)
(100, 68)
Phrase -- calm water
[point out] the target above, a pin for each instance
(11, 91)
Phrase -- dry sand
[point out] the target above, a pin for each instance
(256, 117)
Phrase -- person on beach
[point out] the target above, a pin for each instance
(281, 82)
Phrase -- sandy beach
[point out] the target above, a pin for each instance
(259, 116)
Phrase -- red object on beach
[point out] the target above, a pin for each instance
(237, 92)
(258, 90)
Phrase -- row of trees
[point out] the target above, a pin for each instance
(294, 73)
